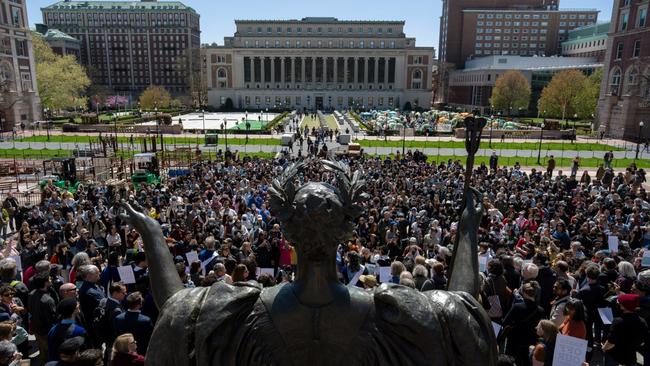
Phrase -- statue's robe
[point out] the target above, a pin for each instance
(242, 325)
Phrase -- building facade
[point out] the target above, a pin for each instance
(61, 43)
(319, 63)
(476, 28)
(625, 93)
(471, 87)
(588, 41)
(130, 45)
(19, 102)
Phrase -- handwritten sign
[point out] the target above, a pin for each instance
(606, 315)
(612, 241)
(126, 274)
(384, 274)
(569, 351)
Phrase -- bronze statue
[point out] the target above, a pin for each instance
(315, 320)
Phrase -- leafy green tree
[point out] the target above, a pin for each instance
(559, 96)
(155, 96)
(586, 101)
(62, 82)
(511, 92)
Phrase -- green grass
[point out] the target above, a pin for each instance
(495, 145)
(255, 125)
(168, 140)
(564, 163)
(331, 122)
(310, 123)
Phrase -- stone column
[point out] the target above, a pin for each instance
(283, 67)
(313, 70)
(365, 70)
(302, 69)
(356, 70)
(345, 69)
(376, 70)
(385, 70)
(272, 60)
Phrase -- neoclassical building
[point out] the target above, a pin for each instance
(318, 63)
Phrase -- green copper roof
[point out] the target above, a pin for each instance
(57, 35)
(118, 5)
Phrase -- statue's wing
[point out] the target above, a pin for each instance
(192, 318)
(448, 328)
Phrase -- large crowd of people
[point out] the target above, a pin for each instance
(553, 249)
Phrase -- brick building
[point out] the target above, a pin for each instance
(130, 45)
(19, 102)
(319, 63)
(476, 28)
(625, 93)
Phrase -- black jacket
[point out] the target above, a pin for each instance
(42, 309)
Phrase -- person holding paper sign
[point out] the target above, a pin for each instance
(627, 333)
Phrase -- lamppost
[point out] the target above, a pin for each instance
(491, 122)
(47, 123)
(266, 118)
(225, 132)
(203, 115)
(403, 139)
(638, 143)
(115, 125)
(539, 151)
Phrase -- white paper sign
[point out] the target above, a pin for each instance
(606, 315)
(497, 329)
(19, 263)
(192, 257)
(482, 264)
(126, 274)
(270, 271)
(612, 241)
(384, 274)
(569, 351)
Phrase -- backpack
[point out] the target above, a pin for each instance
(100, 318)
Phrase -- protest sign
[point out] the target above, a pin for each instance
(569, 351)
(126, 274)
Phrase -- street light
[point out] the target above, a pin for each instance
(266, 119)
(203, 115)
(491, 122)
(225, 132)
(539, 151)
(638, 143)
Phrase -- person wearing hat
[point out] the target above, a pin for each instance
(66, 328)
(627, 332)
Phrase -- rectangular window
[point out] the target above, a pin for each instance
(619, 51)
(622, 22)
(641, 19)
(637, 48)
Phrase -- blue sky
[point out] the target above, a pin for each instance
(421, 16)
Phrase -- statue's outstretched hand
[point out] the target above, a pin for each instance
(137, 219)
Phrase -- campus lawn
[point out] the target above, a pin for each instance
(168, 140)
(495, 145)
(564, 163)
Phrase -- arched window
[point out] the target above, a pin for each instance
(221, 73)
(631, 79)
(416, 79)
(615, 81)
